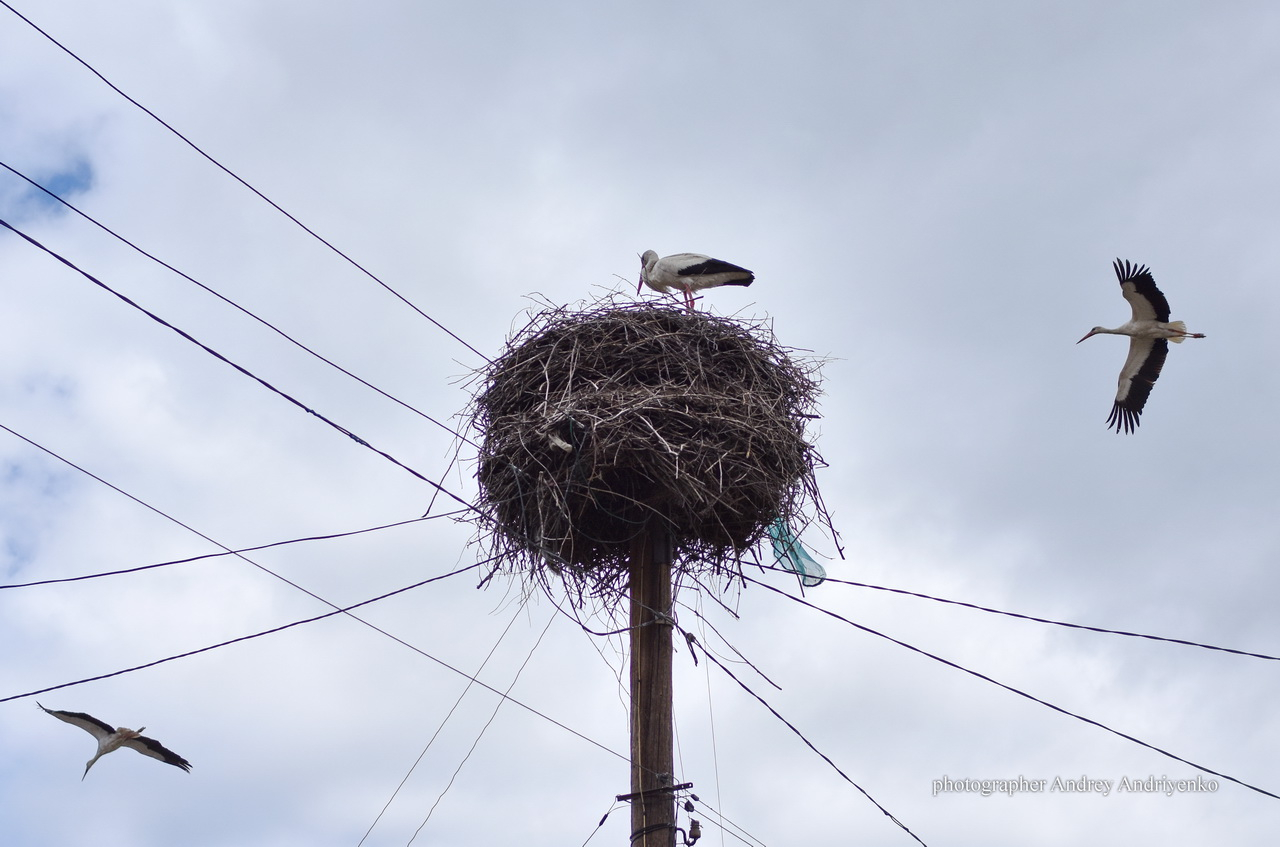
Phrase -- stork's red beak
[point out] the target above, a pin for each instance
(1089, 335)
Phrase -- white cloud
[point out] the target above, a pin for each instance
(930, 196)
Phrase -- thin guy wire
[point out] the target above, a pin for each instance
(484, 728)
(715, 755)
(721, 820)
(440, 728)
(603, 818)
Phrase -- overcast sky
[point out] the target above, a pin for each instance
(930, 195)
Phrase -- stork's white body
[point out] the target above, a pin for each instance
(1150, 332)
(689, 272)
(110, 739)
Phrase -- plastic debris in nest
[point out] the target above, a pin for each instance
(792, 555)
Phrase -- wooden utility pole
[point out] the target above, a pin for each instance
(653, 806)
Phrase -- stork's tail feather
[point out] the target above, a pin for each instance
(1180, 327)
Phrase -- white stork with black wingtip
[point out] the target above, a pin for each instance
(689, 272)
(113, 739)
(1150, 332)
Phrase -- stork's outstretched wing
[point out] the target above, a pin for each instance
(1140, 372)
(98, 729)
(156, 750)
(1139, 288)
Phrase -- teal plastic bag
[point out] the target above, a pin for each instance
(793, 556)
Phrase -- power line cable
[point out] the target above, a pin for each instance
(693, 642)
(350, 434)
(189, 559)
(236, 305)
(726, 824)
(167, 516)
(741, 658)
(244, 371)
(244, 183)
(240, 556)
(1034, 619)
(711, 656)
(1013, 690)
(337, 611)
(345, 610)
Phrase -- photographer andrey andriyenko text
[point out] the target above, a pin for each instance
(1076, 785)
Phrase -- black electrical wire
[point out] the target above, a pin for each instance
(692, 641)
(240, 368)
(335, 611)
(1034, 619)
(711, 657)
(1012, 690)
(340, 611)
(238, 179)
(346, 610)
(189, 559)
(235, 305)
(162, 513)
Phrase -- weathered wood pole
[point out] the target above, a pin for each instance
(653, 810)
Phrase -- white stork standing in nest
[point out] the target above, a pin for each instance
(689, 272)
(1150, 332)
(113, 739)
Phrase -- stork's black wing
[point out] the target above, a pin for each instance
(156, 750)
(1140, 372)
(713, 266)
(1139, 288)
(88, 723)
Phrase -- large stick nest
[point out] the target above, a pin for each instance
(599, 424)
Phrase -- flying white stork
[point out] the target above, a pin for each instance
(1150, 332)
(688, 272)
(112, 739)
